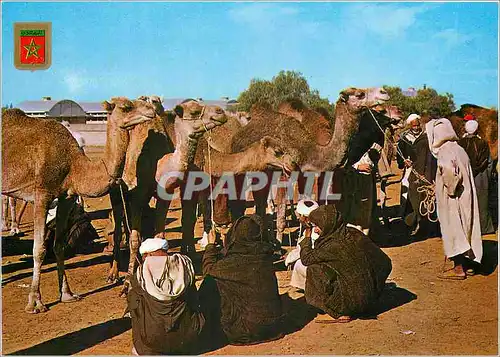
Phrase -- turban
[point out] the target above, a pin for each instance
(305, 207)
(412, 117)
(469, 117)
(153, 244)
(471, 126)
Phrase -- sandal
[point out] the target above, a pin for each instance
(451, 275)
(327, 319)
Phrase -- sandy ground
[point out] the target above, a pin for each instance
(417, 313)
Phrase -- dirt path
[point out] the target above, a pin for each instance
(418, 314)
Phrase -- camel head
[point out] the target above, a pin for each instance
(199, 118)
(276, 156)
(154, 100)
(148, 142)
(123, 116)
(363, 98)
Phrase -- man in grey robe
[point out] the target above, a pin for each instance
(456, 200)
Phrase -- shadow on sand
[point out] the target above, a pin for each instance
(80, 340)
(489, 262)
(392, 296)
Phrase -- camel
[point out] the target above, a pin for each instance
(42, 161)
(265, 153)
(308, 132)
(149, 143)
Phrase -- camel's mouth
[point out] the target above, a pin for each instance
(128, 124)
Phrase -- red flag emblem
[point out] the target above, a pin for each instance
(33, 48)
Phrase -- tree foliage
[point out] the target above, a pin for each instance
(284, 86)
(426, 102)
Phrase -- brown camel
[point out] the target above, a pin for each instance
(52, 166)
(149, 143)
(318, 148)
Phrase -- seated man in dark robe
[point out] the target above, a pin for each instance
(163, 303)
(479, 155)
(239, 294)
(346, 271)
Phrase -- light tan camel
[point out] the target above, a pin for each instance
(263, 154)
(148, 144)
(53, 166)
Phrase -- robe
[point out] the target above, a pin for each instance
(163, 304)
(415, 148)
(346, 271)
(479, 155)
(240, 291)
(456, 198)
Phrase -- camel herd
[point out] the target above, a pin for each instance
(41, 161)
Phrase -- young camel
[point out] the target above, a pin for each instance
(53, 166)
(262, 155)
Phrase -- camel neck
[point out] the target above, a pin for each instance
(93, 178)
(330, 156)
(237, 163)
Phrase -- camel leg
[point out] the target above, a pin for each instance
(188, 221)
(14, 227)
(21, 212)
(207, 218)
(137, 200)
(117, 208)
(42, 202)
(280, 213)
(161, 210)
(63, 210)
(5, 211)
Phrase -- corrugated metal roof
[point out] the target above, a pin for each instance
(36, 105)
(92, 106)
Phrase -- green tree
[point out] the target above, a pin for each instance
(427, 102)
(284, 86)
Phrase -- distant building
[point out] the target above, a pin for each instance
(410, 92)
(92, 112)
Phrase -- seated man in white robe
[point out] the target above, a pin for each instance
(298, 280)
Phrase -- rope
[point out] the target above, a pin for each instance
(209, 168)
(427, 206)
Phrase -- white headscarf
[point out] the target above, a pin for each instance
(439, 131)
(304, 209)
(471, 126)
(411, 118)
(166, 277)
(152, 244)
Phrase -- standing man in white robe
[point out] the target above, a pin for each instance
(456, 200)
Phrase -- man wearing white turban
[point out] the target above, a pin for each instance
(298, 280)
(456, 200)
(415, 157)
(163, 302)
(481, 164)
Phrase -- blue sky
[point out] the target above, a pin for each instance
(210, 50)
